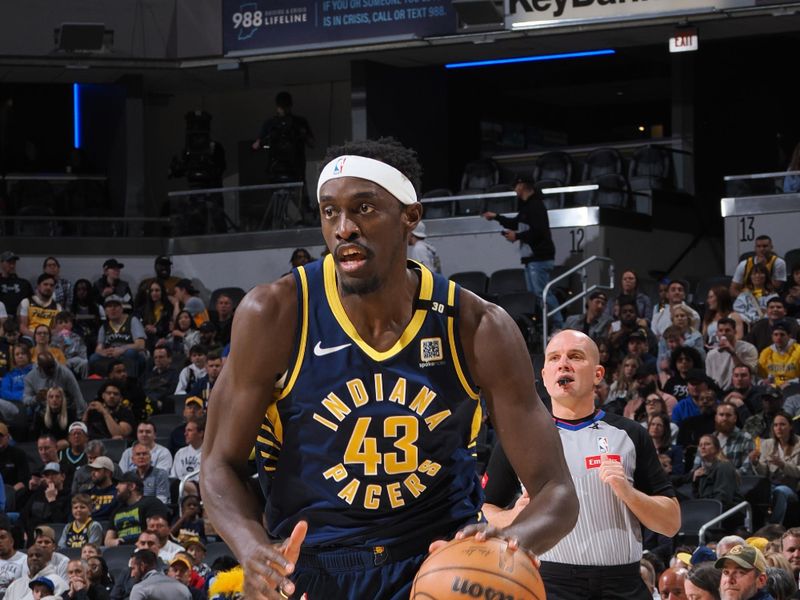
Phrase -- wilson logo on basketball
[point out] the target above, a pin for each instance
(476, 590)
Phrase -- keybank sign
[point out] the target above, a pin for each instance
(544, 13)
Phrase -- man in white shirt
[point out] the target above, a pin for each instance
(421, 251)
(11, 560)
(764, 254)
(729, 354)
(662, 316)
(187, 459)
(159, 455)
(37, 564)
(159, 525)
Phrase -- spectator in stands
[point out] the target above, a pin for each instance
(106, 417)
(791, 183)
(760, 333)
(607, 360)
(99, 575)
(159, 455)
(187, 298)
(187, 459)
(654, 404)
(75, 452)
(103, 491)
(716, 477)
(158, 524)
(88, 313)
(778, 458)
(639, 346)
(629, 289)
(164, 276)
(62, 289)
(203, 386)
(13, 462)
(82, 529)
(192, 408)
(41, 308)
(54, 417)
(82, 480)
(624, 386)
(12, 387)
(627, 323)
(37, 567)
(155, 314)
(161, 381)
(662, 318)
(155, 481)
(110, 284)
(181, 569)
(791, 292)
(124, 583)
(132, 394)
(593, 322)
(195, 371)
(9, 337)
(49, 374)
(719, 305)
(669, 342)
(659, 428)
(133, 508)
(49, 502)
(11, 560)
(729, 353)
(697, 382)
(790, 548)
(70, 344)
(780, 584)
(765, 256)
(45, 537)
(759, 425)
(195, 547)
(779, 363)
(184, 334)
(121, 336)
(736, 444)
(47, 449)
(208, 335)
(222, 317)
(152, 584)
(692, 428)
(702, 582)
(80, 586)
(670, 583)
(751, 303)
(421, 251)
(531, 227)
(190, 521)
(41, 339)
(743, 574)
(744, 394)
(13, 289)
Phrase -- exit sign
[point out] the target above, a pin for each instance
(684, 40)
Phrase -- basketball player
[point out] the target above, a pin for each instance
(366, 451)
(617, 475)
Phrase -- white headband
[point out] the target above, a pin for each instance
(386, 176)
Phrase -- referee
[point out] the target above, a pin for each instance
(618, 478)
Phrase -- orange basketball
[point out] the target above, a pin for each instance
(486, 570)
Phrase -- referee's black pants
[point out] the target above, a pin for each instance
(579, 582)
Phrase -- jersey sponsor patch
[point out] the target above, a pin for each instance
(594, 462)
(430, 350)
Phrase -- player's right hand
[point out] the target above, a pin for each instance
(266, 569)
(483, 531)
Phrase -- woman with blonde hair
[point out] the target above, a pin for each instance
(623, 388)
(54, 417)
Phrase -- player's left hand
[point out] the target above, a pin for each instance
(613, 473)
(483, 531)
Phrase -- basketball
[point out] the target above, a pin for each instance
(470, 569)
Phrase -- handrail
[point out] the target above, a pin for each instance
(748, 520)
(236, 188)
(585, 291)
(459, 198)
(759, 175)
(182, 486)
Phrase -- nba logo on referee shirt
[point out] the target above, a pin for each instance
(602, 445)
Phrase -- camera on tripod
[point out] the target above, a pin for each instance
(203, 159)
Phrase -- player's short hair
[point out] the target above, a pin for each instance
(385, 149)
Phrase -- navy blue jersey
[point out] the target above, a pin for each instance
(371, 448)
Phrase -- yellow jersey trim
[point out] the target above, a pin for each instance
(451, 295)
(411, 330)
(303, 336)
(274, 417)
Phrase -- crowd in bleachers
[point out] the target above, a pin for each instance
(103, 398)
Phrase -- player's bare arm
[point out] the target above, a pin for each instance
(499, 362)
(262, 340)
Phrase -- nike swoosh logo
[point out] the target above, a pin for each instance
(320, 351)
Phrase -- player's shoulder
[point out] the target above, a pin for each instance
(264, 299)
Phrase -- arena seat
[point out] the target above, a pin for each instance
(89, 388)
(553, 166)
(474, 281)
(505, 281)
(117, 557)
(696, 513)
(501, 205)
(214, 550)
(603, 161)
(29, 448)
(480, 175)
(234, 293)
(551, 201)
(523, 308)
(651, 169)
(114, 448)
(792, 258)
(166, 422)
(613, 192)
(57, 529)
(70, 553)
(437, 210)
(472, 206)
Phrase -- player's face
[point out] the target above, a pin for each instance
(366, 229)
(571, 368)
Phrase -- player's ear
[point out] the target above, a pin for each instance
(411, 215)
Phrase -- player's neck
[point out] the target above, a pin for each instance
(573, 409)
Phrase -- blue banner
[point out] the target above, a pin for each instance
(266, 25)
